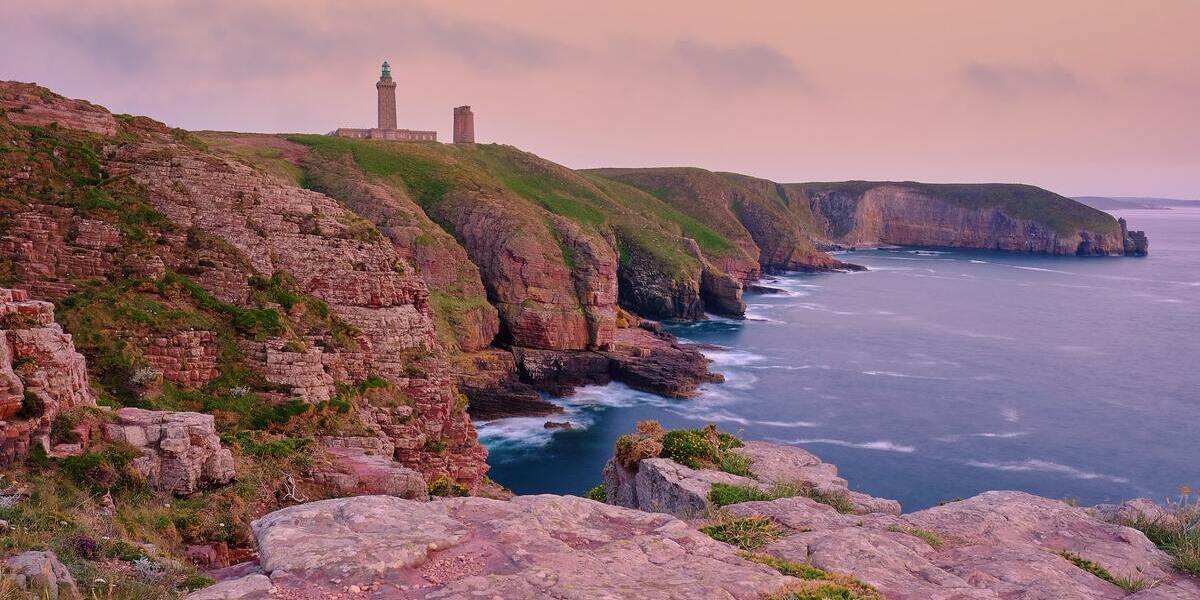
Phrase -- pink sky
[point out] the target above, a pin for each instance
(1082, 97)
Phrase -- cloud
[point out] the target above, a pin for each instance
(736, 68)
(237, 40)
(1015, 80)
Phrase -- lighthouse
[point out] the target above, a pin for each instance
(387, 98)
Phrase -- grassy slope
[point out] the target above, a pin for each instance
(430, 172)
(1025, 202)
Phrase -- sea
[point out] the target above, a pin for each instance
(936, 375)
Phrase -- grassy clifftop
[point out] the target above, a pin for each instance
(1019, 201)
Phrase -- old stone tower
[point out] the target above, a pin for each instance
(387, 98)
(464, 125)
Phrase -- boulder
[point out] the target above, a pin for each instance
(530, 547)
(180, 451)
(42, 574)
(255, 586)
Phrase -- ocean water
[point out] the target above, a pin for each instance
(937, 375)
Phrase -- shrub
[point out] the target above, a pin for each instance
(101, 470)
(747, 533)
(597, 493)
(633, 448)
(444, 487)
(192, 583)
(736, 464)
(435, 446)
(689, 447)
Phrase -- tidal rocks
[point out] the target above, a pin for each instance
(42, 575)
(490, 381)
(180, 451)
(529, 547)
(41, 374)
(1134, 242)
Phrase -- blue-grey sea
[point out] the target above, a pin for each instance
(937, 375)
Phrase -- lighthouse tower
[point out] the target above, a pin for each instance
(387, 98)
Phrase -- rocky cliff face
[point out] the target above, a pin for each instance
(41, 375)
(991, 216)
(299, 289)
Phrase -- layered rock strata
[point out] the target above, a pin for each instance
(41, 374)
(180, 452)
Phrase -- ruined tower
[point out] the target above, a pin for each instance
(464, 125)
(387, 98)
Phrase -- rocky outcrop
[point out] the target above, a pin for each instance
(180, 451)
(1134, 242)
(529, 547)
(41, 374)
(355, 471)
(663, 485)
(998, 545)
(493, 388)
(639, 358)
(42, 575)
(28, 104)
(1016, 218)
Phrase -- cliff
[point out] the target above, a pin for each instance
(1010, 217)
(780, 226)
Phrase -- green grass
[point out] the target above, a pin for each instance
(1129, 583)
(597, 493)
(747, 533)
(1176, 533)
(426, 180)
(1019, 201)
(652, 206)
(929, 537)
(723, 494)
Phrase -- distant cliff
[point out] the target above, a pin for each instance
(1010, 217)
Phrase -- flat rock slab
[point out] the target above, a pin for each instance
(561, 547)
(997, 545)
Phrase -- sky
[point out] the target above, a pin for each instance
(1084, 97)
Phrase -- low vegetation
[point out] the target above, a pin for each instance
(818, 584)
(747, 533)
(723, 494)
(1129, 583)
(706, 448)
(929, 537)
(1176, 532)
(598, 493)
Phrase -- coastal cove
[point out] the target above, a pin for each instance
(935, 375)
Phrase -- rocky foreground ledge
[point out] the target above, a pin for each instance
(785, 528)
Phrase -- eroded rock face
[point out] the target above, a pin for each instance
(860, 213)
(41, 374)
(28, 104)
(494, 390)
(180, 451)
(529, 547)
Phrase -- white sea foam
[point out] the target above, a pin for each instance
(724, 416)
(1044, 466)
(1040, 269)
(1010, 414)
(1003, 435)
(731, 358)
(753, 316)
(883, 445)
(901, 375)
(978, 262)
